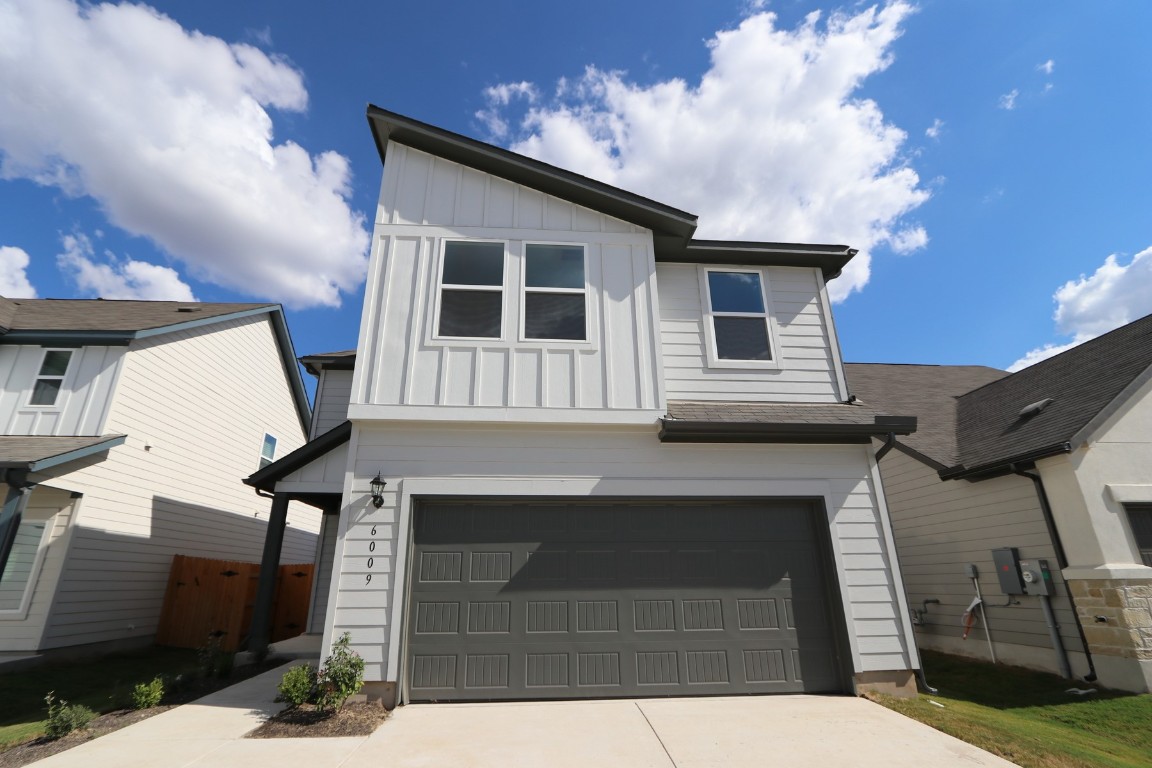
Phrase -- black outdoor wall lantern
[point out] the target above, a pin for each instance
(378, 491)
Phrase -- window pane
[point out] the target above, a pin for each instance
(471, 314)
(44, 392)
(55, 363)
(1140, 518)
(735, 292)
(268, 451)
(18, 569)
(473, 263)
(742, 338)
(554, 266)
(554, 316)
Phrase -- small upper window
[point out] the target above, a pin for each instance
(554, 293)
(268, 451)
(472, 290)
(738, 316)
(50, 380)
(1140, 519)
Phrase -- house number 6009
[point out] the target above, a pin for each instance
(371, 560)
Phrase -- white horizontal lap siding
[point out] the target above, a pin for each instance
(82, 404)
(20, 630)
(195, 405)
(806, 373)
(426, 200)
(592, 463)
(333, 392)
(941, 526)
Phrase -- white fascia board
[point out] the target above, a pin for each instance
(363, 412)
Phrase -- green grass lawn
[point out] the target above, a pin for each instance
(103, 684)
(1028, 718)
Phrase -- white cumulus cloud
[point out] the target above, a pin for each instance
(773, 143)
(1047, 67)
(1112, 296)
(119, 278)
(170, 131)
(14, 282)
(933, 131)
(1008, 100)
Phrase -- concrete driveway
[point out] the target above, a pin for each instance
(625, 733)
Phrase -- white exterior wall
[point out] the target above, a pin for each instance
(940, 526)
(333, 392)
(420, 460)
(808, 369)
(21, 629)
(195, 405)
(402, 372)
(82, 405)
(1087, 490)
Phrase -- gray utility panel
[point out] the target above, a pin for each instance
(550, 600)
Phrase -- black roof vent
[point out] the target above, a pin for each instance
(188, 309)
(1031, 410)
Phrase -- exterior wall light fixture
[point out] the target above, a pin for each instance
(378, 491)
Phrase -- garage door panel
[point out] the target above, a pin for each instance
(542, 607)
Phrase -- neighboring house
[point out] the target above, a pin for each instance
(1054, 460)
(124, 429)
(617, 461)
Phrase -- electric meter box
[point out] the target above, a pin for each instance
(1036, 577)
(1007, 562)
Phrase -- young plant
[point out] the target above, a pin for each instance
(214, 660)
(146, 695)
(341, 676)
(298, 686)
(63, 718)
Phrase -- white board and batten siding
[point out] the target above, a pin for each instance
(195, 405)
(403, 372)
(807, 366)
(941, 526)
(82, 404)
(367, 596)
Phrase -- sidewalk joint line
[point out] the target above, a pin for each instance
(657, 735)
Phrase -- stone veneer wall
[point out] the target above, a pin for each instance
(1126, 606)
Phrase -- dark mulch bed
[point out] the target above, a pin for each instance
(38, 749)
(358, 718)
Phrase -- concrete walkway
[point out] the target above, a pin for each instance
(734, 732)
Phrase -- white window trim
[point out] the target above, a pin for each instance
(21, 612)
(440, 286)
(62, 394)
(525, 290)
(769, 315)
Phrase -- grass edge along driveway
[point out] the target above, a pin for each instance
(1029, 718)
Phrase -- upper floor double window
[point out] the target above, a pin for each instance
(50, 379)
(738, 318)
(552, 292)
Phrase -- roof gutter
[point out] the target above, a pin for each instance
(1002, 466)
(682, 431)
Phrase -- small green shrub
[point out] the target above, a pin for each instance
(341, 676)
(214, 660)
(63, 718)
(298, 686)
(145, 695)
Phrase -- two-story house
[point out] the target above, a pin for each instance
(124, 429)
(587, 455)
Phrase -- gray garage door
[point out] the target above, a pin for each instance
(514, 600)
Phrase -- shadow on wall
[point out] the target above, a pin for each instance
(113, 584)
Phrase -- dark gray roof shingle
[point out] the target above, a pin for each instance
(770, 413)
(929, 392)
(110, 315)
(24, 451)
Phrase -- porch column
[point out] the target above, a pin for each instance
(260, 631)
(15, 502)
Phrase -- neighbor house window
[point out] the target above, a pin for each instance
(21, 564)
(50, 380)
(554, 292)
(471, 290)
(268, 451)
(1140, 519)
(739, 328)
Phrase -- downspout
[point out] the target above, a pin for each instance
(889, 442)
(1061, 558)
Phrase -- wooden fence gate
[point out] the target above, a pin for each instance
(208, 598)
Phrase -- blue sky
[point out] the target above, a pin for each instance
(989, 159)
